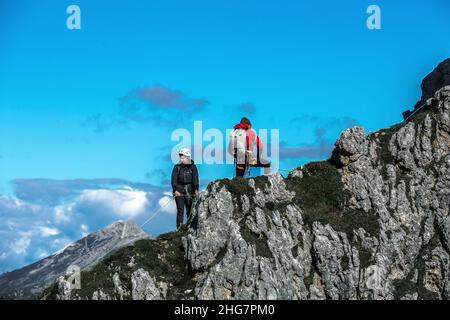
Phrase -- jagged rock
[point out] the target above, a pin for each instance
(64, 289)
(118, 286)
(437, 79)
(100, 295)
(143, 286)
(350, 146)
(397, 177)
(371, 222)
(297, 173)
(131, 264)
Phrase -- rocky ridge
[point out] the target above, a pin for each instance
(371, 222)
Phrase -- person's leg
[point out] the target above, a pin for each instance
(180, 208)
(240, 172)
(239, 166)
(188, 202)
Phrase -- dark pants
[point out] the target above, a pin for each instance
(183, 201)
(241, 168)
(240, 172)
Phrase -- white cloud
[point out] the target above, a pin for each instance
(41, 253)
(124, 203)
(10, 202)
(84, 230)
(63, 213)
(48, 232)
(20, 246)
(26, 234)
(44, 218)
(167, 204)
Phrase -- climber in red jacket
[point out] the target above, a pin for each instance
(243, 141)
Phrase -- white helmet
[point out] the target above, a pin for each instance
(185, 152)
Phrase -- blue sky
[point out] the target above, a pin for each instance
(86, 115)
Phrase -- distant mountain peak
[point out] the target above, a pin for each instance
(29, 281)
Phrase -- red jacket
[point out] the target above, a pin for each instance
(252, 137)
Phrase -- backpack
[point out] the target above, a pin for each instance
(238, 140)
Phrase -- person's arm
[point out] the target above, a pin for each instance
(259, 150)
(254, 141)
(195, 178)
(174, 180)
(259, 144)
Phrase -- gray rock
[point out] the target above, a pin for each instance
(350, 146)
(100, 295)
(143, 286)
(437, 79)
(372, 222)
(118, 286)
(64, 289)
(263, 249)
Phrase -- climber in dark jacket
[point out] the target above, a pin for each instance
(185, 184)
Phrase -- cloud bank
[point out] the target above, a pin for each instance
(43, 215)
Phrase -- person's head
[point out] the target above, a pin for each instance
(185, 156)
(246, 121)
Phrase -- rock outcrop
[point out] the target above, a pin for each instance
(371, 222)
(437, 79)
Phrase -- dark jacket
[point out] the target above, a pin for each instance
(185, 170)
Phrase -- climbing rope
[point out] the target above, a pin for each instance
(156, 213)
(414, 112)
(161, 207)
